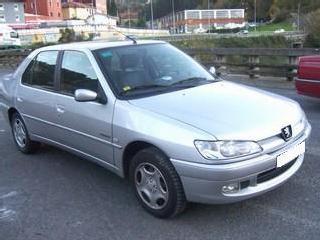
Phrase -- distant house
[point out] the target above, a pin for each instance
(11, 12)
(99, 6)
(75, 10)
(40, 10)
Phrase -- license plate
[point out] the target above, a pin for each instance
(291, 154)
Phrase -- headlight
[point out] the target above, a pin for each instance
(303, 120)
(226, 149)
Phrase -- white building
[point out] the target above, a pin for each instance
(188, 20)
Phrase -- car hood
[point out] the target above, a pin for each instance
(226, 110)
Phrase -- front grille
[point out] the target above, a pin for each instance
(268, 175)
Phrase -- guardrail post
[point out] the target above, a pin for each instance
(221, 64)
(253, 68)
(293, 60)
(292, 69)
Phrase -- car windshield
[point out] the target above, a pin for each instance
(151, 69)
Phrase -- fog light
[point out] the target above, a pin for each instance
(230, 188)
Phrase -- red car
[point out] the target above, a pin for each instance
(308, 80)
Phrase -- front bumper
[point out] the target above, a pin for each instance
(203, 183)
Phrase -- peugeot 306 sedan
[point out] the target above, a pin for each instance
(150, 113)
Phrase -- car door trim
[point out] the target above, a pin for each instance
(74, 131)
(95, 159)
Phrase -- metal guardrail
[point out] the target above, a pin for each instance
(251, 59)
(12, 57)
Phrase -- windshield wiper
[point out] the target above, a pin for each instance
(190, 82)
(143, 87)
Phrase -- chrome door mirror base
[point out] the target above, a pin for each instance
(85, 95)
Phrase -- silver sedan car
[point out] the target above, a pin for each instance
(150, 113)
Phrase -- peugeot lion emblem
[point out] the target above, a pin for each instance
(286, 133)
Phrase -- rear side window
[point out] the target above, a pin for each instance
(27, 75)
(40, 72)
(77, 73)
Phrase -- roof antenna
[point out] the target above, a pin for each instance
(127, 36)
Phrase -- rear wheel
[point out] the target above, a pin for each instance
(157, 184)
(21, 136)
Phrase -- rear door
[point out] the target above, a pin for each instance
(35, 95)
(83, 126)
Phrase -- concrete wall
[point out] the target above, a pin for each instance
(11, 12)
(52, 35)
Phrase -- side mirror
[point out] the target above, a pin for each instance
(212, 70)
(84, 95)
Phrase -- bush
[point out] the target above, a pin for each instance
(225, 30)
(312, 25)
(67, 35)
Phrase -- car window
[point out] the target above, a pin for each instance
(27, 75)
(150, 68)
(40, 71)
(77, 73)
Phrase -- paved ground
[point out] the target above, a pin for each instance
(55, 195)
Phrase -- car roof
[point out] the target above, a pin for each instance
(313, 58)
(94, 45)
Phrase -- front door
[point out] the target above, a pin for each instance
(83, 126)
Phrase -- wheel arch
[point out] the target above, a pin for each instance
(11, 112)
(132, 149)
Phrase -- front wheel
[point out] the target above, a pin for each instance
(21, 136)
(157, 184)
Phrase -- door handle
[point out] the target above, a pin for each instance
(60, 109)
(19, 99)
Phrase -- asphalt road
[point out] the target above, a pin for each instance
(55, 195)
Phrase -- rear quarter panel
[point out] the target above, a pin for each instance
(8, 86)
(308, 80)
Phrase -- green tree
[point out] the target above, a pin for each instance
(283, 9)
(112, 6)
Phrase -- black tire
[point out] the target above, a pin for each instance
(176, 201)
(28, 145)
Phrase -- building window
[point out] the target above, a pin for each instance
(2, 18)
(193, 15)
(16, 7)
(17, 18)
(59, 14)
(222, 13)
(1, 6)
(51, 14)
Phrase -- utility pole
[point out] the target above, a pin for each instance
(255, 15)
(299, 8)
(36, 9)
(173, 17)
(93, 18)
(129, 15)
(151, 10)
(209, 23)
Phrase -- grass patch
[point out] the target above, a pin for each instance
(287, 26)
(236, 42)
